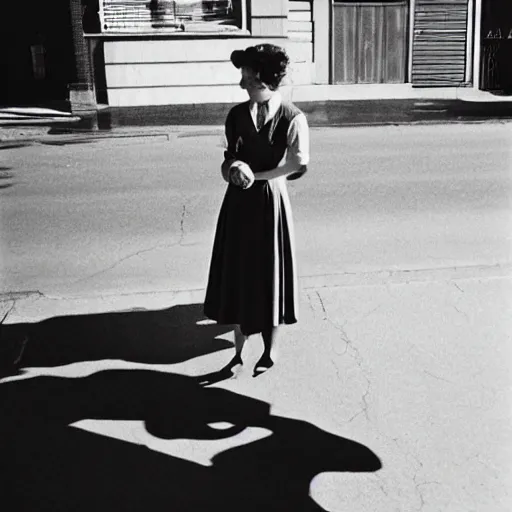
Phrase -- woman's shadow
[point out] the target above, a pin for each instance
(51, 464)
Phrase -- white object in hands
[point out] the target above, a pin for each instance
(241, 174)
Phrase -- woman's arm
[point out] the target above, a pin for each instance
(289, 167)
(297, 153)
(225, 167)
(230, 140)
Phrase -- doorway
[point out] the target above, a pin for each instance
(36, 53)
(370, 41)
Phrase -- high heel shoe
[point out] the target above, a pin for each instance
(264, 363)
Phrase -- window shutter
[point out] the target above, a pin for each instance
(439, 43)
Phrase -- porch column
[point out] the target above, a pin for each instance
(477, 43)
(81, 93)
(322, 41)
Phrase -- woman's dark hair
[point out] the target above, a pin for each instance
(270, 62)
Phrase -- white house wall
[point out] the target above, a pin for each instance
(177, 70)
(159, 72)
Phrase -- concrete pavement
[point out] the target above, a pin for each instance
(131, 216)
(408, 377)
(392, 393)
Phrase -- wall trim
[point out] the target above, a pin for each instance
(268, 17)
(170, 86)
(151, 63)
(477, 43)
(412, 9)
(146, 36)
(469, 42)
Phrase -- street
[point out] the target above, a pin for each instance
(138, 214)
(391, 393)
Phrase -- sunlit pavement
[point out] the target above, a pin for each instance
(392, 392)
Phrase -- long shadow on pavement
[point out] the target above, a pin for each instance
(51, 465)
(156, 337)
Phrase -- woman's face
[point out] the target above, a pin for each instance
(256, 89)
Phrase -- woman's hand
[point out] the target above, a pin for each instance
(241, 175)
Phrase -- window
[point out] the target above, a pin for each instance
(217, 16)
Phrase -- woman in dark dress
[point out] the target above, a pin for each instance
(253, 277)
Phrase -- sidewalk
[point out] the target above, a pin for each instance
(126, 121)
(386, 396)
(391, 393)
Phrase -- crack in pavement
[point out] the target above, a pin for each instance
(12, 350)
(142, 251)
(416, 464)
(114, 265)
(9, 296)
(436, 377)
(13, 305)
(182, 221)
(486, 465)
(370, 313)
(420, 494)
(461, 312)
(415, 477)
(311, 306)
(356, 356)
(452, 282)
(16, 297)
(322, 305)
(310, 301)
(404, 276)
(381, 484)
(457, 286)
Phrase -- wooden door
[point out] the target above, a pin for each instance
(370, 42)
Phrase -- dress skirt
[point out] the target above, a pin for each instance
(253, 277)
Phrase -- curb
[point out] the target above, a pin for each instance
(154, 121)
(35, 306)
(92, 136)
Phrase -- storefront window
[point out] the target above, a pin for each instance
(172, 15)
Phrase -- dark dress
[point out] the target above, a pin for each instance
(253, 277)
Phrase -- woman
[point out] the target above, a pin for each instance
(253, 277)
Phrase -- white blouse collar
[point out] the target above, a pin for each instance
(273, 106)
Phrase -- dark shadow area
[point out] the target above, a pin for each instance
(51, 466)
(225, 373)
(68, 142)
(158, 337)
(322, 113)
(505, 92)
(14, 144)
(163, 14)
(5, 175)
(11, 349)
(166, 115)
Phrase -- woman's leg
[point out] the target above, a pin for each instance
(233, 368)
(240, 340)
(269, 343)
(269, 340)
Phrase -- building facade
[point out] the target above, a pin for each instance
(165, 52)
